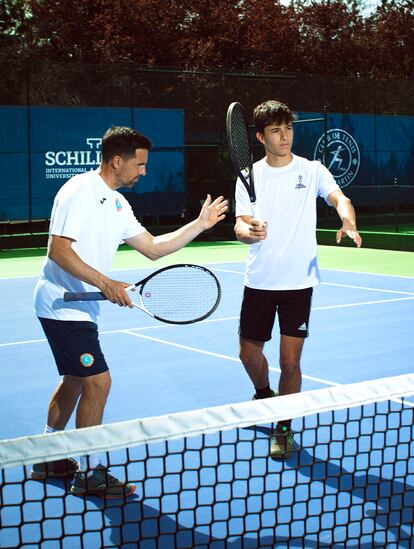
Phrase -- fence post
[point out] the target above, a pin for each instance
(325, 135)
(29, 144)
(396, 204)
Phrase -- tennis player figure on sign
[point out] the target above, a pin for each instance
(282, 267)
(89, 220)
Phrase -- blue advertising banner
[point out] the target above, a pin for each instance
(368, 155)
(371, 157)
(41, 148)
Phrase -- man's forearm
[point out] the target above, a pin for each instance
(171, 242)
(346, 212)
(69, 261)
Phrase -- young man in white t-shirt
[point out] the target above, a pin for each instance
(89, 220)
(282, 267)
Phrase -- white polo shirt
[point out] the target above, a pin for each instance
(98, 219)
(286, 199)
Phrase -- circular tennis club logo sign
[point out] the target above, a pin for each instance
(342, 158)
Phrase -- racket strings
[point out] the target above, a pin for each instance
(181, 295)
(240, 140)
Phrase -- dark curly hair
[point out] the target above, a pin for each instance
(271, 112)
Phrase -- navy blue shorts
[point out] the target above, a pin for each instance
(75, 347)
(259, 309)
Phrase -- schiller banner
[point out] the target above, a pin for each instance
(41, 148)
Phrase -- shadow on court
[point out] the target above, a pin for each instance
(361, 496)
(135, 523)
(388, 503)
(144, 524)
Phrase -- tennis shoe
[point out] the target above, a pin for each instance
(274, 394)
(60, 468)
(100, 483)
(282, 444)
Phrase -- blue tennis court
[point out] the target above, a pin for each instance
(361, 329)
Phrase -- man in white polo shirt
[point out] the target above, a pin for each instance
(89, 220)
(282, 266)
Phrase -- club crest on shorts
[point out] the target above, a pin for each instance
(118, 205)
(87, 360)
(343, 156)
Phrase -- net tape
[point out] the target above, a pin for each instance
(127, 434)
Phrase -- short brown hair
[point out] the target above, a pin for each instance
(271, 112)
(123, 141)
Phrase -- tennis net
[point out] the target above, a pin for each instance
(204, 478)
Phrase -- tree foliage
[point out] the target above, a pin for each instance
(317, 37)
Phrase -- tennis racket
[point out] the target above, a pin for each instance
(241, 151)
(178, 294)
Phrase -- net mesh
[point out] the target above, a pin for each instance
(204, 478)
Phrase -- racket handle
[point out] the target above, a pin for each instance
(83, 296)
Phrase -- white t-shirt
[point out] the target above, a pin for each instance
(98, 219)
(286, 199)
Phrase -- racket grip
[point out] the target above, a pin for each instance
(83, 296)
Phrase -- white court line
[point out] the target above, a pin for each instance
(223, 319)
(362, 303)
(215, 355)
(120, 330)
(369, 274)
(233, 359)
(364, 273)
(367, 288)
(194, 349)
(24, 342)
(354, 287)
(199, 351)
(172, 344)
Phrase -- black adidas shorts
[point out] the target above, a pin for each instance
(75, 347)
(259, 309)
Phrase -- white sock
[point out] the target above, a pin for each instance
(88, 463)
(49, 429)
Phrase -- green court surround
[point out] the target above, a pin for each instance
(28, 262)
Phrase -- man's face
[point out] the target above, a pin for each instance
(277, 139)
(129, 171)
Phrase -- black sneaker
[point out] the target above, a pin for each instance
(60, 468)
(274, 394)
(100, 483)
(282, 444)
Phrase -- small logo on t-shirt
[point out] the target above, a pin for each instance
(300, 185)
(102, 200)
(118, 205)
(87, 360)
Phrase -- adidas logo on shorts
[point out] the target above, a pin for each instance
(303, 328)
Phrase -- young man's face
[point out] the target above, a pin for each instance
(277, 139)
(129, 171)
